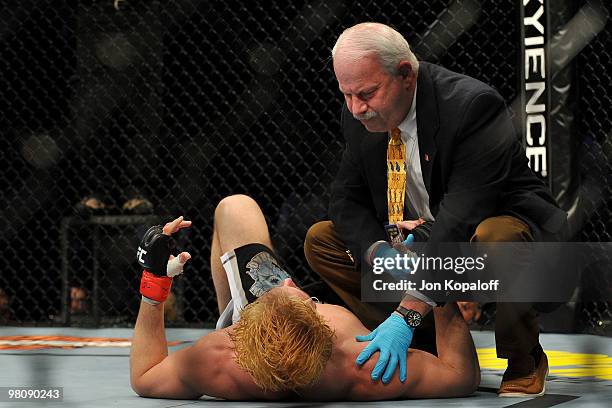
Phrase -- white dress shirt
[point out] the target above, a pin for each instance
(417, 198)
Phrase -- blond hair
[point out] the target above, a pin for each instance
(282, 342)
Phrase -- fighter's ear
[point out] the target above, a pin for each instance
(289, 282)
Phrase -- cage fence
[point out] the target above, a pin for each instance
(179, 104)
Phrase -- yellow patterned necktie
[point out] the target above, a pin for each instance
(396, 177)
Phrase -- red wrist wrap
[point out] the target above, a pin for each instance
(155, 287)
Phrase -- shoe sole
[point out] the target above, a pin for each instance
(524, 394)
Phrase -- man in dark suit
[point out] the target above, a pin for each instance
(434, 152)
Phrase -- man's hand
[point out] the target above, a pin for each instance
(420, 228)
(392, 338)
(409, 225)
(160, 266)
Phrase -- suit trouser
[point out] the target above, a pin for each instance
(516, 324)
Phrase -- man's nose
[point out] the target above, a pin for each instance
(358, 107)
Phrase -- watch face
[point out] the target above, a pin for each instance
(413, 318)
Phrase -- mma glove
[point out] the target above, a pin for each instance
(153, 255)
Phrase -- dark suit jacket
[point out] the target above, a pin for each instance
(477, 166)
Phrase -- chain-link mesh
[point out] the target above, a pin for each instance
(182, 103)
(594, 67)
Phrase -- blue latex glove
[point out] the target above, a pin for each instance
(409, 240)
(385, 250)
(392, 338)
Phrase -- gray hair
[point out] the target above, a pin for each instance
(382, 41)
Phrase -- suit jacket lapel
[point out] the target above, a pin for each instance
(374, 147)
(428, 122)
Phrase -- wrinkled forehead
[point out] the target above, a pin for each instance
(353, 75)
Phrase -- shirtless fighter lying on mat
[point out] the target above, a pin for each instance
(279, 342)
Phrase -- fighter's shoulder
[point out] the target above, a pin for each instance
(338, 377)
(217, 373)
(212, 352)
(345, 326)
(336, 315)
(217, 340)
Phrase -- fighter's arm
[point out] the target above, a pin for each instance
(149, 348)
(152, 372)
(206, 368)
(455, 372)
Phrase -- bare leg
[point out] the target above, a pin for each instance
(238, 221)
(218, 274)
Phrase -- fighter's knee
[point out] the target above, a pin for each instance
(234, 204)
(502, 229)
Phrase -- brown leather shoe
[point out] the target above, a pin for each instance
(531, 385)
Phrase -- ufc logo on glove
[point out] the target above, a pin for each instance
(139, 255)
